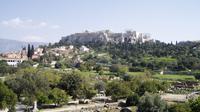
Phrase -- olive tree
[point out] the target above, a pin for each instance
(71, 83)
(151, 103)
(118, 90)
(8, 98)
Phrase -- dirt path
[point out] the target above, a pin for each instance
(76, 108)
(174, 97)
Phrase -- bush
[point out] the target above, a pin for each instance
(58, 96)
(126, 77)
(8, 98)
(151, 86)
(100, 86)
(58, 65)
(180, 108)
(118, 68)
(71, 83)
(136, 69)
(197, 76)
(132, 100)
(151, 103)
(195, 105)
(98, 68)
(118, 90)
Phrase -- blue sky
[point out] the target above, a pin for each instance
(49, 20)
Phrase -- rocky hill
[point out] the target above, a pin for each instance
(106, 36)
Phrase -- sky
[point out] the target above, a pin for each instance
(49, 20)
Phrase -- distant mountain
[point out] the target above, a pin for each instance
(7, 45)
(105, 36)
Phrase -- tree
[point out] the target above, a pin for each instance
(126, 77)
(43, 98)
(7, 98)
(118, 90)
(58, 96)
(44, 50)
(98, 68)
(26, 64)
(32, 50)
(195, 105)
(151, 86)
(52, 77)
(4, 68)
(151, 103)
(28, 85)
(71, 83)
(132, 100)
(100, 86)
(197, 76)
(29, 51)
(86, 91)
(121, 69)
(82, 67)
(180, 108)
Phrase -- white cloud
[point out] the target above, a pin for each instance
(16, 22)
(27, 24)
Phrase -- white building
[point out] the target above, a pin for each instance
(14, 58)
(71, 47)
(13, 62)
(84, 49)
(62, 48)
(38, 51)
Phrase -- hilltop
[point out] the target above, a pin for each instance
(105, 36)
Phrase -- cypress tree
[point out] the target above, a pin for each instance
(44, 50)
(29, 51)
(32, 50)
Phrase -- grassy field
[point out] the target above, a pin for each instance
(162, 59)
(165, 76)
(173, 77)
(87, 73)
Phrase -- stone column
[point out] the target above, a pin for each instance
(35, 109)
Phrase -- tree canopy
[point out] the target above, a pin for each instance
(151, 103)
(71, 83)
(8, 98)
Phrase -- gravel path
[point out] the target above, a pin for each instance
(76, 108)
(174, 97)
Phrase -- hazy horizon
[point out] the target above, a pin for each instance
(48, 21)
